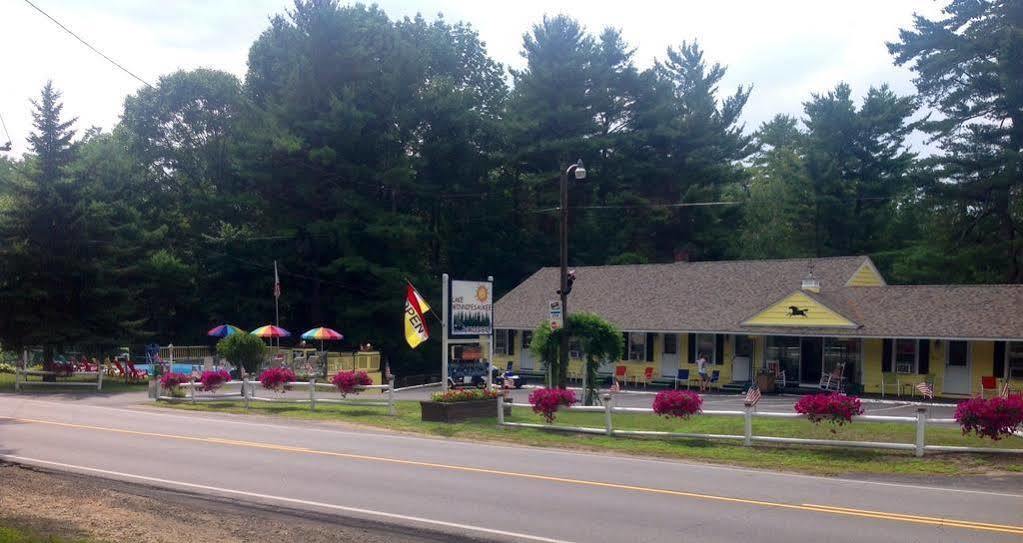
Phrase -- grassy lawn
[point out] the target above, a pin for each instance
(110, 385)
(14, 535)
(816, 460)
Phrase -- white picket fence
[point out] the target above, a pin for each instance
(247, 392)
(21, 379)
(748, 438)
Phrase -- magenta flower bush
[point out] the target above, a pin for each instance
(993, 417)
(546, 401)
(680, 404)
(348, 382)
(835, 408)
(171, 381)
(277, 379)
(213, 380)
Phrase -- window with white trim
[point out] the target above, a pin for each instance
(707, 346)
(905, 355)
(500, 341)
(670, 343)
(637, 346)
(1014, 360)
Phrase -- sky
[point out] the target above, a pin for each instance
(786, 49)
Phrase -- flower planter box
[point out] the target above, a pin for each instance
(459, 411)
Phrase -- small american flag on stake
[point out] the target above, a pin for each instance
(752, 396)
(925, 389)
(1005, 390)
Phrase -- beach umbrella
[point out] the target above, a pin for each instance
(323, 334)
(270, 331)
(224, 330)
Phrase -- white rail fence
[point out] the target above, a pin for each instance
(919, 447)
(21, 379)
(247, 393)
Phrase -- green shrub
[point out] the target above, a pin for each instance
(243, 350)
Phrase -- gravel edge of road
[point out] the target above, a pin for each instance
(264, 518)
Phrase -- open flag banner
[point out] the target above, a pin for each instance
(416, 331)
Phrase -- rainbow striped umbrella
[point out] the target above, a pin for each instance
(323, 334)
(270, 331)
(224, 330)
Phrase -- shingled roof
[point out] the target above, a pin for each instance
(719, 296)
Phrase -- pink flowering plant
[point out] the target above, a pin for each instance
(465, 395)
(546, 401)
(277, 379)
(835, 408)
(348, 382)
(211, 381)
(993, 417)
(171, 381)
(680, 404)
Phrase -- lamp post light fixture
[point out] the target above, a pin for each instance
(578, 171)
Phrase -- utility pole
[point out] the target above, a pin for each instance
(579, 172)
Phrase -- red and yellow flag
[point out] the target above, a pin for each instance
(416, 330)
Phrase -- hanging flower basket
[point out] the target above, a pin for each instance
(835, 408)
(348, 382)
(993, 417)
(680, 404)
(546, 401)
(277, 379)
(172, 381)
(211, 381)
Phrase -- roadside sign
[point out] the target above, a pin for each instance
(555, 317)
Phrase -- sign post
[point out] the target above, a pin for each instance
(444, 334)
(555, 315)
(468, 314)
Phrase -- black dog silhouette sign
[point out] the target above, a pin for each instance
(797, 312)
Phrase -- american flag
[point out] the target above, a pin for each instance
(615, 387)
(277, 282)
(926, 389)
(752, 395)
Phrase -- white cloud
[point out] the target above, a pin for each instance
(786, 48)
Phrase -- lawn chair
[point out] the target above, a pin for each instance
(621, 374)
(137, 374)
(988, 383)
(833, 381)
(779, 374)
(931, 382)
(682, 376)
(648, 376)
(890, 379)
(715, 379)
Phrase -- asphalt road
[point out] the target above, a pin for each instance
(497, 492)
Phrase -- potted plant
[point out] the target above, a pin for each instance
(351, 382)
(546, 401)
(211, 381)
(459, 405)
(992, 417)
(171, 382)
(680, 404)
(835, 408)
(277, 379)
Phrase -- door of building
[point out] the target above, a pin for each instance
(669, 356)
(528, 361)
(957, 368)
(742, 359)
(810, 361)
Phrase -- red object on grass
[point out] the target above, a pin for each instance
(677, 403)
(545, 401)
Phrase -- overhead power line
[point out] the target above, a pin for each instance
(643, 206)
(89, 45)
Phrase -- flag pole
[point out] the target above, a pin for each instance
(409, 283)
(277, 296)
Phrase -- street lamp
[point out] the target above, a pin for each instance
(579, 172)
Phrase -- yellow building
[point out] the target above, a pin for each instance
(810, 318)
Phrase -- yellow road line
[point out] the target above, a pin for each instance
(915, 519)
